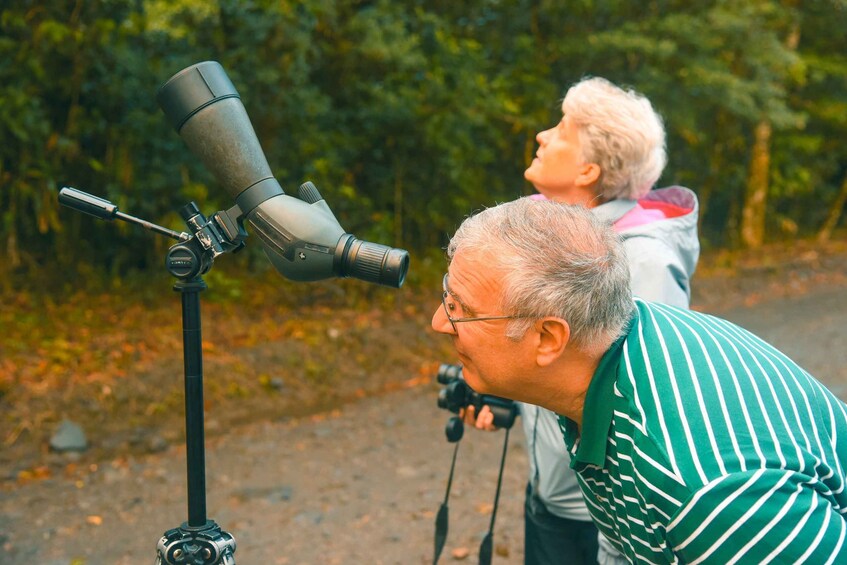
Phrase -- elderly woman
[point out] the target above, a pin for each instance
(606, 154)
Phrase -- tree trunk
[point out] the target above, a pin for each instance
(398, 205)
(13, 257)
(756, 195)
(834, 214)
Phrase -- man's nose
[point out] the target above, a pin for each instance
(541, 137)
(440, 323)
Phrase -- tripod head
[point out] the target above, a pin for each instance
(194, 257)
(196, 251)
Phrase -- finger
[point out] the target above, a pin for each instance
(485, 420)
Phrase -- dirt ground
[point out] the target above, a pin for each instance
(358, 477)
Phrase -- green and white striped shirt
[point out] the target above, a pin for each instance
(703, 444)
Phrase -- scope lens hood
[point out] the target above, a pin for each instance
(192, 89)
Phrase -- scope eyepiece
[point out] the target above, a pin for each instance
(372, 262)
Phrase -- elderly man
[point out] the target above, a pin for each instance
(693, 440)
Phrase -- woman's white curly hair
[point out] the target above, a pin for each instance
(619, 131)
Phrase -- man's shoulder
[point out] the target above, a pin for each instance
(655, 317)
(665, 336)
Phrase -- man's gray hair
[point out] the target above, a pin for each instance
(554, 260)
(620, 131)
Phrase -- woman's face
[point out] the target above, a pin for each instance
(558, 169)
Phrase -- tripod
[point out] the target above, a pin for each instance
(198, 541)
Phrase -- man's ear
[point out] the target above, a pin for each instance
(553, 337)
(589, 173)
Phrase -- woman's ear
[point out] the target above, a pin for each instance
(589, 174)
(554, 335)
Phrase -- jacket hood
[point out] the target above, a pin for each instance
(679, 233)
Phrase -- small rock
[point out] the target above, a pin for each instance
(69, 437)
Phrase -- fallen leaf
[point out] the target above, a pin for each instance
(485, 508)
(94, 520)
(460, 553)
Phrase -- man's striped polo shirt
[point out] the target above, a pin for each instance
(703, 444)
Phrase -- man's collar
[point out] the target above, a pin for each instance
(599, 406)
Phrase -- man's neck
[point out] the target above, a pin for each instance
(571, 379)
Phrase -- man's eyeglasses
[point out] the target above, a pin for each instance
(454, 321)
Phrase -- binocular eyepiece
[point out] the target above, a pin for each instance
(457, 394)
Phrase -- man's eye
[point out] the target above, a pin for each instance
(452, 307)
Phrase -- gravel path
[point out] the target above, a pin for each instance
(360, 485)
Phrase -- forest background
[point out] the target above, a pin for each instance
(408, 115)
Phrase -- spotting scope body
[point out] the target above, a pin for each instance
(301, 236)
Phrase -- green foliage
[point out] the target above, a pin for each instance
(407, 114)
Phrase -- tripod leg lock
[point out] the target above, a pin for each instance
(204, 545)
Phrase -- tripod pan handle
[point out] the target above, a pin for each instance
(86, 203)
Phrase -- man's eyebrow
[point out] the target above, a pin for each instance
(467, 310)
